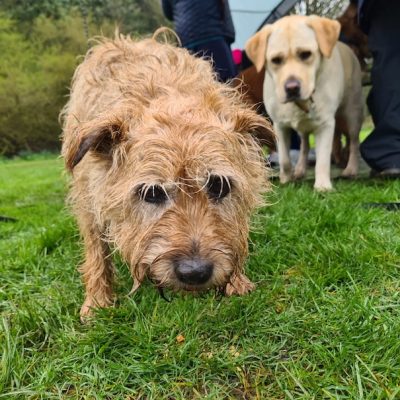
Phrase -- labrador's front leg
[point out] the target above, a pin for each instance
(323, 149)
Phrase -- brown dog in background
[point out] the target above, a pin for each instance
(164, 169)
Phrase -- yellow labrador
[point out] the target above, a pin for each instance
(312, 84)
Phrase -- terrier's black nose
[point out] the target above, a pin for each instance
(292, 89)
(193, 271)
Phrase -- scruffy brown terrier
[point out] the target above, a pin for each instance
(164, 169)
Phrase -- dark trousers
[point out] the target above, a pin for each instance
(381, 149)
(219, 51)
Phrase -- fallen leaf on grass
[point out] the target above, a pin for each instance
(180, 338)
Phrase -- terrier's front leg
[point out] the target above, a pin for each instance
(97, 271)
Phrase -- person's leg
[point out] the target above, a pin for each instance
(381, 149)
(220, 53)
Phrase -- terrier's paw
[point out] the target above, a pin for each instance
(89, 305)
(239, 285)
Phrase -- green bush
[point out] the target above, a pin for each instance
(34, 76)
(39, 52)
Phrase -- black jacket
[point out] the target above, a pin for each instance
(199, 20)
(365, 13)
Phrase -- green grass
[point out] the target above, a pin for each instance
(324, 322)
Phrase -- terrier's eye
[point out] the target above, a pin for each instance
(278, 60)
(154, 194)
(304, 55)
(218, 187)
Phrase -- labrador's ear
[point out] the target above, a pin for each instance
(327, 32)
(256, 47)
(100, 137)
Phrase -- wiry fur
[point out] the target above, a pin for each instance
(143, 113)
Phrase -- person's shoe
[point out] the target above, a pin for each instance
(389, 173)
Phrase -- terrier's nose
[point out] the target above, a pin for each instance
(292, 88)
(193, 271)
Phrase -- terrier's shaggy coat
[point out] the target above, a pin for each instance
(164, 169)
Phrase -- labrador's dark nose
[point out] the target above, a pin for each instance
(193, 271)
(292, 89)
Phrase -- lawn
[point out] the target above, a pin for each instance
(323, 323)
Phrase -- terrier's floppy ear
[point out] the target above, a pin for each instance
(101, 138)
(256, 47)
(258, 126)
(327, 32)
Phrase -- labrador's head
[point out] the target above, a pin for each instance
(292, 49)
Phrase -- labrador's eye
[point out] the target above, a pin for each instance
(304, 55)
(278, 60)
(218, 187)
(154, 194)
